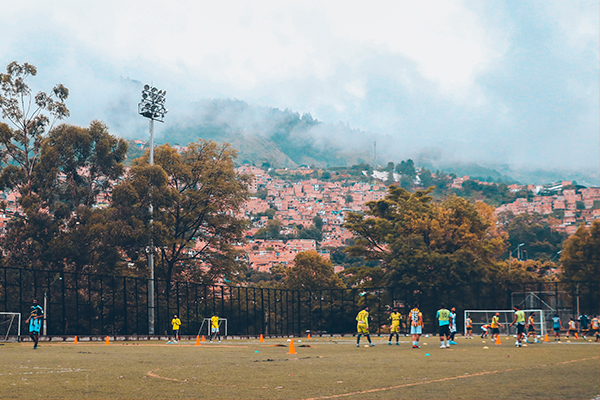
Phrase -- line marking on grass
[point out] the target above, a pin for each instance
(443, 380)
(152, 374)
(66, 370)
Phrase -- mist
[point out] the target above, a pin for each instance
(505, 84)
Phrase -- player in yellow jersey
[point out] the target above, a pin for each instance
(469, 328)
(520, 321)
(495, 325)
(444, 321)
(396, 319)
(214, 327)
(176, 322)
(416, 325)
(362, 326)
(596, 327)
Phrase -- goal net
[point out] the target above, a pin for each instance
(205, 327)
(10, 327)
(484, 317)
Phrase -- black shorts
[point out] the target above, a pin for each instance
(469, 329)
(556, 329)
(572, 331)
(520, 328)
(495, 331)
(531, 329)
(444, 330)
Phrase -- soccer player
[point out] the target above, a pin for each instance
(495, 326)
(444, 321)
(556, 327)
(36, 315)
(176, 322)
(452, 325)
(596, 327)
(531, 328)
(469, 325)
(362, 326)
(572, 327)
(214, 327)
(520, 321)
(484, 330)
(583, 324)
(416, 325)
(396, 318)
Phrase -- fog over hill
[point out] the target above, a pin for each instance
(286, 139)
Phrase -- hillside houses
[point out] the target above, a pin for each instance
(576, 206)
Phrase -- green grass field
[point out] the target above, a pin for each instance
(326, 368)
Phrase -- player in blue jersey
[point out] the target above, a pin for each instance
(36, 315)
(556, 327)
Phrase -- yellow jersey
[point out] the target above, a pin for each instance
(363, 317)
(531, 320)
(176, 322)
(520, 316)
(214, 322)
(416, 317)
(595, 323)
(572, 325)
(469, 323)
(494, 322)
(396, 317)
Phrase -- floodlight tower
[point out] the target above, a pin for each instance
(152, 107)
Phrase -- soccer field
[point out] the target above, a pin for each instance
(325, 368)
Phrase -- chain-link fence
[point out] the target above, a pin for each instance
(86, 304)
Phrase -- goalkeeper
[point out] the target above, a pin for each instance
(362, 326)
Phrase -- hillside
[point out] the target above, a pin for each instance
(287, 139)
(269, 135)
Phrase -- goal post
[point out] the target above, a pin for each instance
(10, 326)
(483, 317)
(205, 327)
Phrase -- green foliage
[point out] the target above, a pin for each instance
(492, 194)
(30, 117)
(312, 272)
(580, 256)
(271, 231)
(261, 193)
(193, 195)
(318, 222)
(420, 242)
(407, 168)
(541, 242)
(61, 228)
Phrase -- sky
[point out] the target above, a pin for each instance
(513, 82)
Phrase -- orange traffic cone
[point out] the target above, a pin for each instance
(309, 335)
(107, 340)
(203, 338)
(292, 348)
(75, 341)
(498, 339)
(197, 340)
(261, 340)
(546, 338)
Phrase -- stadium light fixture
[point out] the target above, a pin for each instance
(152, 107)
